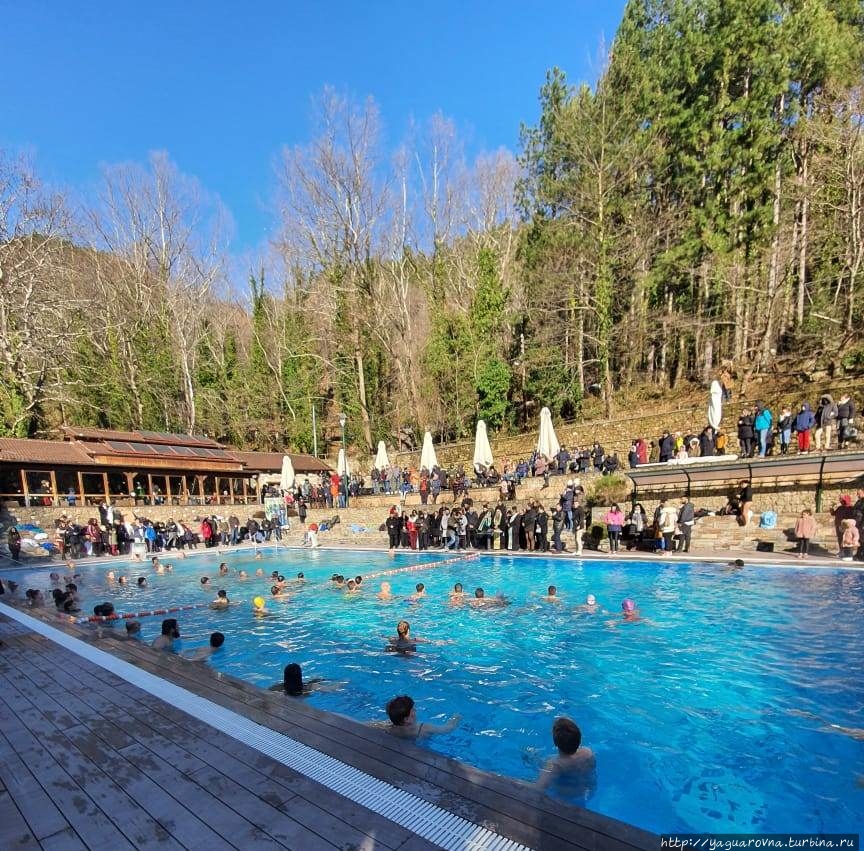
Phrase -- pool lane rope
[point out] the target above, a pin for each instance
(433, 823)
(119, 616)
(425, 565)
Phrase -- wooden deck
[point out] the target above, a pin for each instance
(88, 760)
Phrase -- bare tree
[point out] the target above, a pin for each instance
(37, 314)
(333, 203)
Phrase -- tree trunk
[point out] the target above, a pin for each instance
(361, 390)
(802, 243)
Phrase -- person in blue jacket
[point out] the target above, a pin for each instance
(804, 421)
(763, 422)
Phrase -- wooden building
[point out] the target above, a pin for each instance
(124, 467)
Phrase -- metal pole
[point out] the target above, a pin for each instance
(345, 462)
(314, 433)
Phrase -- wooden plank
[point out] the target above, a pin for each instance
(82, 759)
(221, 818)
(35, 805)
(65, 840)
(15, 834)
(336, 823)
(297, 824)
(88, 820)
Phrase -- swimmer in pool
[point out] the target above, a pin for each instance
(258, 606)
(301, 578)
(457, 595)
(385, 593)
(294, 685)
(170, 633)
(339, 582)
(572, 761)
(481, 601)
(223, 569)
(351, 587)
(110, 576)
(201, 654)
(205, 583)
(404, 641)
(403, 720)
(277, 593)
(419, 591)
(590, 605)
(142, 582)
(629, 614)
(221, 601)
(259, 572)
(551, 595)
(258, 556)
(738, 564)
(154, 562)
(242, 575)
(121, 580)
(169, 568)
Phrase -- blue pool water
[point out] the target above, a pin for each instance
(712, 716)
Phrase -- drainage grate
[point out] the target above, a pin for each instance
(422, 818)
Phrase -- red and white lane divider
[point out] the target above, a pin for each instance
(119, 616)
(426, 565)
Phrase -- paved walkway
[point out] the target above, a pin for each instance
(90, 761)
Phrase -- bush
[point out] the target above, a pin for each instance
(606, 490)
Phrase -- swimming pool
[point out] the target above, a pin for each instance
(713, 716)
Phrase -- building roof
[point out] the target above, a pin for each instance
(89, 447)
(146, 437)
(17, 450)
(271, 462)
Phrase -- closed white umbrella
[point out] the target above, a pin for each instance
(342, 464)
(715, 404)
(482, 449)
(286, 479)
(547, 442)
(427, 454)
(382, 462)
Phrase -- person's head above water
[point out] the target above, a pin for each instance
(351, 584)
(170, 628)
(205, 580)
(566, 735)
(551, 591)
(292, 677)
(399, 710)
(258, 603)
(217, 639)
(457, 588)
(628, 606)
(479, 593)
(591, 600)
(419, 587)
(402, 628)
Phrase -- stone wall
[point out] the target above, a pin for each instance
(615, 435)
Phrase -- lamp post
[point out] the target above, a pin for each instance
(344, 471)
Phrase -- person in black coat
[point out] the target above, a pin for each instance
(845, 418)
(746, 433)
(666, 447)
(542, 530)
(393, 525)
(706, 442)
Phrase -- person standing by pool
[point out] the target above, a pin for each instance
(614, 521)
(849, 540)
(403, 719)
(686, 521)
(572, 760)
(805, 531)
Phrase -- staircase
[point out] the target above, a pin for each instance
(724, 533)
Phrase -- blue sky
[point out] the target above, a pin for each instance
(224, 86)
